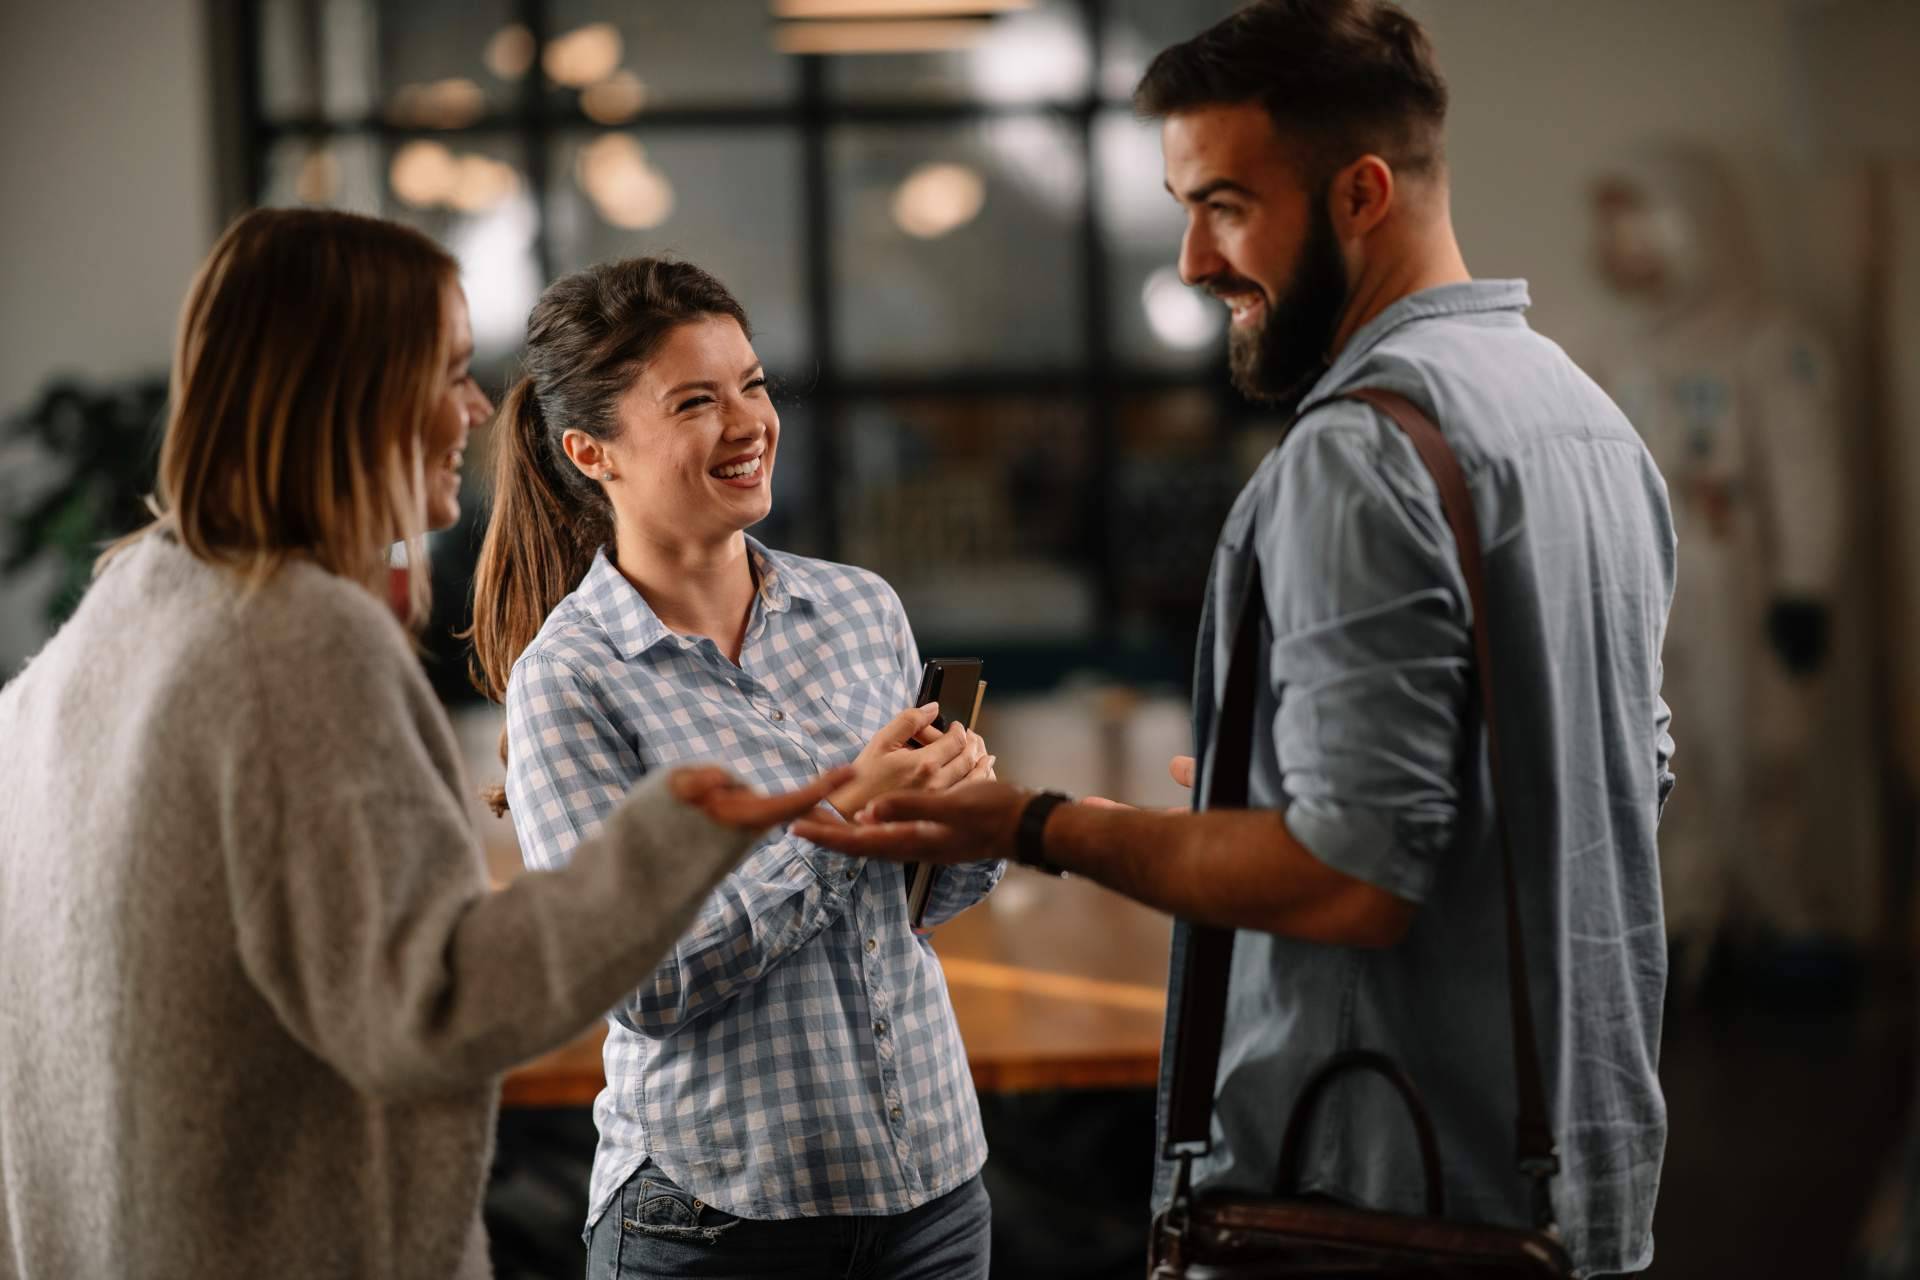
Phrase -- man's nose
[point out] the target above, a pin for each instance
(1199, 260)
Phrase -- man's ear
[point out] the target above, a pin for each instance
(1362, 194)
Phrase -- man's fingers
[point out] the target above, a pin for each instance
(1181, 767)
(894, 842)
(912, 806)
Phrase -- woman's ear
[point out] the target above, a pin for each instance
(585, 452)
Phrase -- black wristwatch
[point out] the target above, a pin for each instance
(1029, 846)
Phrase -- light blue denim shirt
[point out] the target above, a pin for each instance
(1363, 740)
(796, 1055)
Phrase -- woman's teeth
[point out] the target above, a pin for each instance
(750, 467)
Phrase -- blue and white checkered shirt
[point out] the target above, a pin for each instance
(796, 1055)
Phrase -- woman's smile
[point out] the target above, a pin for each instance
(744, 472)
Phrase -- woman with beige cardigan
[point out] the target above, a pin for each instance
(255, 992)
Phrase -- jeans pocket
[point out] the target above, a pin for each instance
(654, 1205)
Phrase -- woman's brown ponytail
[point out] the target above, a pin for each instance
(587, 339)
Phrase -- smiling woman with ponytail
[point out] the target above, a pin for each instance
(758, 1098)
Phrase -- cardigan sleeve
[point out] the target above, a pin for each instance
(361, 902)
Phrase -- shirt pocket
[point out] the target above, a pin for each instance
(865, 706)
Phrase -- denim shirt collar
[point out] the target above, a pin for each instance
(632, 625)
(1442, 300)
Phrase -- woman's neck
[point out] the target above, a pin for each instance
(694, 588)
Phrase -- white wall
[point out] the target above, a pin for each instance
(1544, 94)
(106, 184)
(107, 202)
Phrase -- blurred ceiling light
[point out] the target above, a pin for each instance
(893, 8)
(444, 104)
(510, 52)
(1178, 315)
(584, 55)
(318, 181)
(615, 100)
(482, 183)
(938, 198)
(1031, 56)
(933, 36)
(423, 174)
(628, 192)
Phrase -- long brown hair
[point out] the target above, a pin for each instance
(308, 360)
(587, 340)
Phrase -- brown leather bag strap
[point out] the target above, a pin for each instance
(1533, 1131)
(1203, 956)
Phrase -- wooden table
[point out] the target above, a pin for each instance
(1056, 984)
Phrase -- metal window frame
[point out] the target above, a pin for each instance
(1098, 381)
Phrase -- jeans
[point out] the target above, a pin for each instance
(655, 1229)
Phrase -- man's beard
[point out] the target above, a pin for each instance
(1278, 360)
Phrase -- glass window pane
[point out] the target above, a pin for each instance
(663, 55)
(1174, 479)
(722, 199)
(470, 193)
(343, 172)
(958, 246)
(448, 63)
(317, 59)
(973, 509)
(1037, 54)
(796, 523)
(1135, 30)
(421, 64)
(1157, 322)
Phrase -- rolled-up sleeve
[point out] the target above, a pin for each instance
(1369, 662)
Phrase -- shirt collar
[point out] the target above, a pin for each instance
(1442, 300)
(632, 625)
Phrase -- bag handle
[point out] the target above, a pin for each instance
(1203, 955)
(1294, 1143)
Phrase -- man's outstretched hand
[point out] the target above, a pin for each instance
(1180, 768)
(732, 803)
(970, 823)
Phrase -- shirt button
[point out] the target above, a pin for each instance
(895, 1115)
(873, 945)
(853, 874)
(880, 1028)
(779, 715)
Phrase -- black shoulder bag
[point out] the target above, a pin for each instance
(1230, 1236)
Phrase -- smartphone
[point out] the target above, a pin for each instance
(956, 685)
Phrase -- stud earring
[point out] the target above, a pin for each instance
(606, 475)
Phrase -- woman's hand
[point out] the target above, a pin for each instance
(942, 761)
(732, 803)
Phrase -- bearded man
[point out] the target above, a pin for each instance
(1305, 141)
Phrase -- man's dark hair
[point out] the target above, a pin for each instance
(1341, 79)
